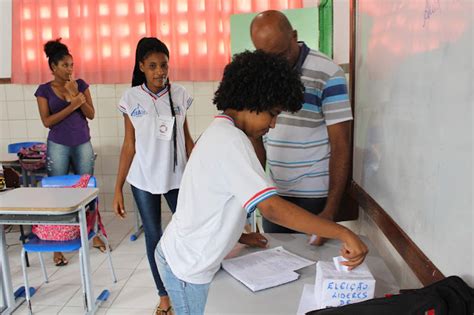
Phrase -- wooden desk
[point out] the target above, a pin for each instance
(45, 206)
(229, 296)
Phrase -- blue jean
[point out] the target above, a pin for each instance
(186, 298)
(149, 206)
(60, 157)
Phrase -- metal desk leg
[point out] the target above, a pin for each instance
(7, 286)
(22, 238)
(85, 260)
(92, 304)
(24, 175)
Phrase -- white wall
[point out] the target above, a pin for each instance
(19, 121)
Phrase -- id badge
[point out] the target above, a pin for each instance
(164, 128)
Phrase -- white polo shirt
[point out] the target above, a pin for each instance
(223, 181)
(152, 166)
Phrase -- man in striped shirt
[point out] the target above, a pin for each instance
(308, 152)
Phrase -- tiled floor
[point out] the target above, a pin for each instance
(134, 293)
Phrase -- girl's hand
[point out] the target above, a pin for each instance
(118, 206)
(254, 240)
(78, 100)
(71, 87)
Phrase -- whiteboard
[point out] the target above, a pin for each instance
(305, 21)
(414, 122)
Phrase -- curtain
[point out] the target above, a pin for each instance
(102, 35)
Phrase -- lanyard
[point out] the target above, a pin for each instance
(166, 89)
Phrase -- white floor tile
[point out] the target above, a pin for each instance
(73, 310)
(129, 311)
(126, 261)
(103, 276)
(114, 289)
(131, 297)
(63, 293)
(39, 310)
(55, 295)
(141, 278)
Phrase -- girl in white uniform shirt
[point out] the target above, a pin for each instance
(156, 146)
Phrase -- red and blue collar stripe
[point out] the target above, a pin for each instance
(224, 116)
(155, 96)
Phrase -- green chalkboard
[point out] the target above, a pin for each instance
(305, 21)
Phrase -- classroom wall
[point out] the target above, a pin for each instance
(19, 121)
(19, 118)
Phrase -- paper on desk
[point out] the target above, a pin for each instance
(265, 269)
(308, 300)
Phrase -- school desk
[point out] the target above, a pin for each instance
(227, 295)
(8, 158)
(46, 206)
(11, 160)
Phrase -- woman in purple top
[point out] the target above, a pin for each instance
(65, 105)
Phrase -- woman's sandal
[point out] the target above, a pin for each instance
(161, 311)
(100, 246)
(60, 260)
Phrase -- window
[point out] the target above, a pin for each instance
(102, 35)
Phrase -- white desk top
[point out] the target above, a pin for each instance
(45, 200)
(8, 157)
(229, 296)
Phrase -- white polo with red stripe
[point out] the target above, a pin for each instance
(152, 166)
(222, 183)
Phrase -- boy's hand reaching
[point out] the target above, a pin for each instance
(254, 240)
(354, 250)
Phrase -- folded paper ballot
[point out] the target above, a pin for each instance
(265, 269)
(337, 263)
(336, 288)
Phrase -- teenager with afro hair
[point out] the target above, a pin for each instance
(224, 182)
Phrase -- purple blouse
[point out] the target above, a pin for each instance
(72, 130)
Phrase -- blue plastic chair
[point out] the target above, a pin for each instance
(37, 245)
(15, 147)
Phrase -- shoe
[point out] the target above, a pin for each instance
(60, 260)
(161, 311)
(97, 243)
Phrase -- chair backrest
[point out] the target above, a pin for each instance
(65, 181)
(15, 147)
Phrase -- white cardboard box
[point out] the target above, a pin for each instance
(336, 288)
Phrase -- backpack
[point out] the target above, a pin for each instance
(450, 296)
(33, 158)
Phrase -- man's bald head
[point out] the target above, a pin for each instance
(272, 32)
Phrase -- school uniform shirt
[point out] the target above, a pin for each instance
(222, 183)
(152, 166)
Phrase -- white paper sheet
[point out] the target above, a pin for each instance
(266, 269)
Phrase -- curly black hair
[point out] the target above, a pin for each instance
(259, 81)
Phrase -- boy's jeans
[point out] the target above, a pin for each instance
(186, 298)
